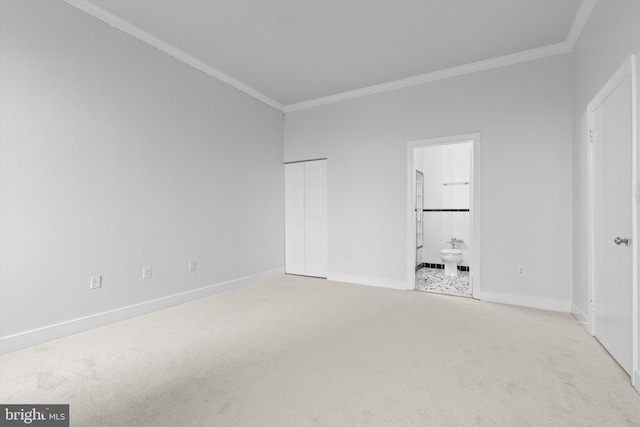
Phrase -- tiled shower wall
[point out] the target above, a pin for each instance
(446, 207)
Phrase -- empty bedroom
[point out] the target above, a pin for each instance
(333, 213)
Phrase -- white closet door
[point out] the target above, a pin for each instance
(306, 218)
(316, 218)
(294, 218)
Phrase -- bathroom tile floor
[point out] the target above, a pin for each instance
(434, 280)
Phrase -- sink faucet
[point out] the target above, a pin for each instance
(454, 242)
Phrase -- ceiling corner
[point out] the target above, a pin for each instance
(584, 11)
(128, 28)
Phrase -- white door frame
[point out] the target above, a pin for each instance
(627, 70)
(412, 146)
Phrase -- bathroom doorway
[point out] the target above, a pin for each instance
(445, 222)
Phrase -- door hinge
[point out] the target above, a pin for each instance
(591, 135)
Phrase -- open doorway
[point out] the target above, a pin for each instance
(443, 215)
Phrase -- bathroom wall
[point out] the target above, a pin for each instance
(446, 164)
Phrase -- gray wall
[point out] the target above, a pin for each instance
(116, 156)
(523, 113)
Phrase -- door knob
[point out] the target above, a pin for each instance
(619, 241)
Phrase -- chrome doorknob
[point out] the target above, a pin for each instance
(619, 241)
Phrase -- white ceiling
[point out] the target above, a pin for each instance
(290, 52)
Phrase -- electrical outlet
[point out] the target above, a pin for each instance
(146, 272)
(349, 256)
(522, 270)
(96, 282)
(192, 266)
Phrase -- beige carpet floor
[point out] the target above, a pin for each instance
(296, 351)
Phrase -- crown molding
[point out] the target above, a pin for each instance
(128, 28)
(528, 55)
(582, 15)
(584, 11)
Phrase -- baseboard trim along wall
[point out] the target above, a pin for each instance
(369, 281)
(41, 335)
(636, 380)
(525, 301)
(582, 318)
(579, 314)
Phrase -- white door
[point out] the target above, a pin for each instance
(611, 136)
(294, 218)
(306, 218)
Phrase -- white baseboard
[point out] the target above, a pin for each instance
(636, 380)
(369, 281)
(525, 301)
(579, 314)
(41, 335)
(581, 317)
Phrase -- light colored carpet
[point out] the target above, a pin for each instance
(298, 351)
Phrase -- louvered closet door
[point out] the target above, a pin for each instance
(306, 218)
